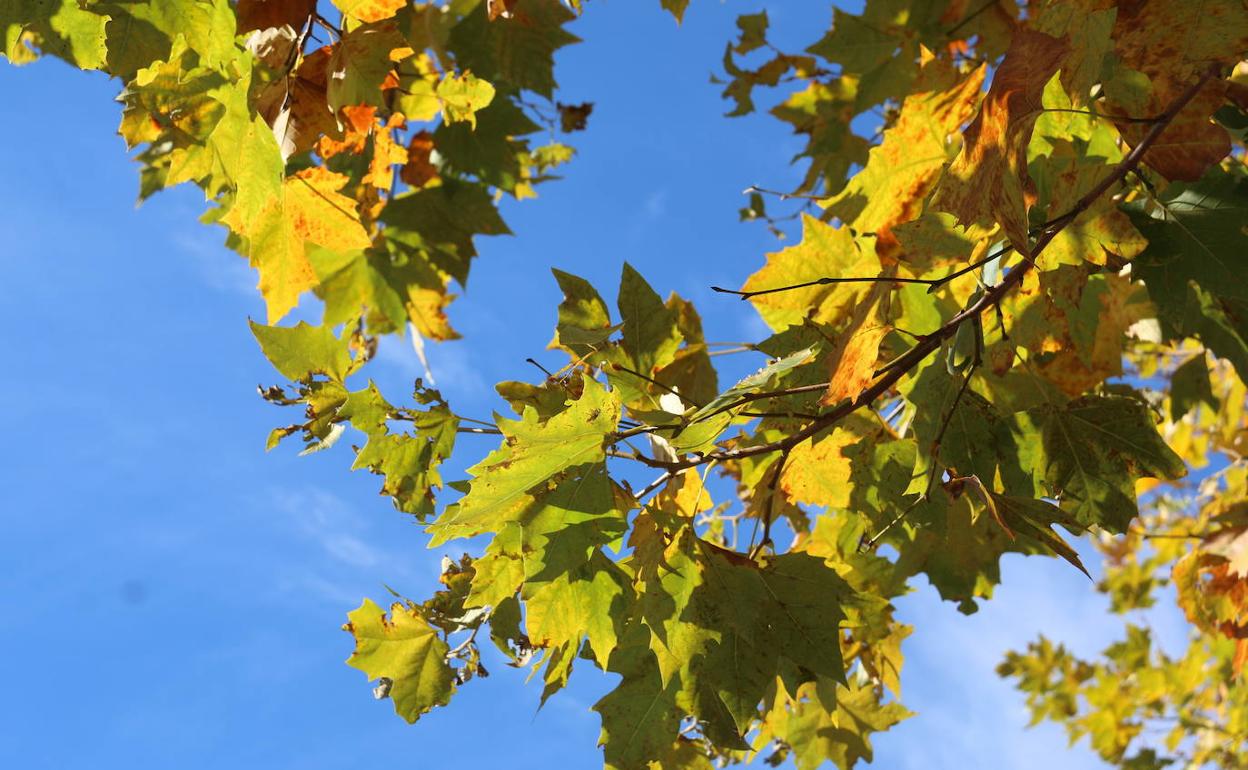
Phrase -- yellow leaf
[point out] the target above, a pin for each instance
(307, 207)
(818, 473)
(369, 10)
(825, 251)
(322, 215)
(902, 170)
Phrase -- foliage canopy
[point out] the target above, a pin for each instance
(1017, 313)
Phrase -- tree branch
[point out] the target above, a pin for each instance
(932, 342)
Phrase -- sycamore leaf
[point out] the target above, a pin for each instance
(988, 180)
(409, 461)
(1189, 386)
(369, 10)
(64, 30)
(704, 424)
(519, 49)
(270, 14)
(172, 102)
(139, 33)
(554, 535)
(725, 628)
(1030, 521)
(640, 720)
(1090, 453)
(462, 96)
(675, 7)
(852, 363)
(300, 351)
(322, 215)
(1165, 48)
(650, 334)
(1197, 235)
(824, 252)
(587, 601)
(405, 649)
(825, 721)
(360, 62)
(533, 452)
(818, 473)
(1088, 30)
(902, 170)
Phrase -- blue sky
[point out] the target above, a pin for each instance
(171, 594)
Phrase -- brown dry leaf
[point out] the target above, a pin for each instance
(1172, 43)
(988, 180)
(574, 117)
(265, 14)
(1192, 142)
(419, 170)
(818, 473)
(297, 108)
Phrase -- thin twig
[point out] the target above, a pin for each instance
(1115, 118)
(822, 282)
(656, 383)
(970, 17)
(782, 195)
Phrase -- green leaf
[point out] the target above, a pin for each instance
(1197, 235)
(302, 350)
(360, 62)
(62, 29)
(405, 649)
(519, 50)
(651, 336)
(140, 32)
(587, 601)
(462, 96)
(1189, 386)
(584, 320)
(409, 461)
(675, 7)
(1090, 453)
(726, 628)
(640, 720)
(707, 422)
(532, 453)
(579, 511)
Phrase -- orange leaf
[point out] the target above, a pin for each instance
(852, 364)
(988, 180)
(419, 170)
